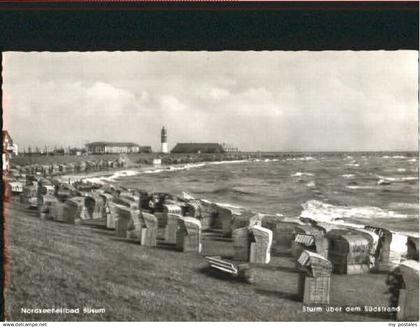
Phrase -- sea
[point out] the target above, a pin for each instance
(380, 189)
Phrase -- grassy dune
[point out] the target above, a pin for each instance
(58, 265)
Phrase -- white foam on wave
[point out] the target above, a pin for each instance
(398, 157)
(348, 175)
(113, 177)
(352, 165)
(228, 205)
(301, 174)
(324, 212)
(360, 187)
(225, 162)
(398, 179)
(126, 173)
(265, 160)
(301, 158)
(401, 170)
(178, 168)
(306, 158)
(311, 184)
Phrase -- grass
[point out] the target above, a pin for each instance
(50, 264)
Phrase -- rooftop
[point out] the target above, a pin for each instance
(198, 147)
(112, 144)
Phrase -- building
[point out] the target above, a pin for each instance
(198, 148)
(164, 140)
(112, 147)
(76, 151)
(145, 149)
(9, 145)
(10, 149)
(229, 148)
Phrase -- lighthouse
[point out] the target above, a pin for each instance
(164, 140)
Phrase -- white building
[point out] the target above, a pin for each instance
(10, 149)
(112, 147)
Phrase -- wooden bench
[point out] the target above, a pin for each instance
(241, 271)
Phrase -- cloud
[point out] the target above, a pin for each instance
(270, 100)
(69, 113)
(218, 93)
(171, 104)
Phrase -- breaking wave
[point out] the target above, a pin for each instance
(352, 165)
(111, 178)
(389, 180)
(311, 184)
(128, 173)
(300, 174)
(301, 158)
(264, 160)
(324, 212)
(360, 187)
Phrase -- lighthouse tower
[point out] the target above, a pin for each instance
(164, 140)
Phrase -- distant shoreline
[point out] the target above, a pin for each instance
(184, 158)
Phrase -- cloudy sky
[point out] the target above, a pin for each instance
(270, 100)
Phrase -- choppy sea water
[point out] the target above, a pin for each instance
(380, 189)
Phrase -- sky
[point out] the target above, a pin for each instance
(254, 100)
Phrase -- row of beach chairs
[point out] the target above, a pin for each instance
(318, 249)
